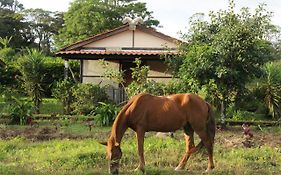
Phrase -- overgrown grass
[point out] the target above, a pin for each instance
(87, 156)
(51, 105)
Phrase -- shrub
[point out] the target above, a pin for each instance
(105, 114)
(53, 70)
(149, 86)
(86, 98)
(63, 92)
(8, 75)
(16, 108)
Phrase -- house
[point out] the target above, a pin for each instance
(119, 48)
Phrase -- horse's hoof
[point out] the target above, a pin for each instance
(209, 170)
(140, 169)
(178, 168)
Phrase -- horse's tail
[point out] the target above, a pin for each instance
(211, 124)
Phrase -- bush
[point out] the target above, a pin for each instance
(105, 114)
(16, 108)
(54, 72)
(86, 98)
(149, 86)
(8, 75)
(63, 92)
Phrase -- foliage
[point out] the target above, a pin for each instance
(114, 75)
(86, 98)
(141, 83)
(43, 25)
(12, 24)
(30, 66)
(63, 91)
(222, 54)
(8, 76)
(105, 114)
(6, 52)
(149, 86)
(269, 86)
(53, 70)
(89, 17)
(140, 72)
(16, 108)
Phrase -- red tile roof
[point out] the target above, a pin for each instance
(115, 52)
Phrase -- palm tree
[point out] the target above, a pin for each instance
(271, 86)
(30, 66)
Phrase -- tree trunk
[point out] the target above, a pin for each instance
(223, 113)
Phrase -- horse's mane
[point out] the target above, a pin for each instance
(122, 113)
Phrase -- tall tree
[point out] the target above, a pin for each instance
(223, 53)
(12, 25)
(43, 25)
(89, 17)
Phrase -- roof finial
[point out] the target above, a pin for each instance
(132, 22)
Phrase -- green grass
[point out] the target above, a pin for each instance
(87, 156)
(51, 105)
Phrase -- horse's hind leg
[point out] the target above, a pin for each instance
(207, 141)
(189, 139)
(140, 137)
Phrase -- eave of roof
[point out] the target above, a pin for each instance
(115, 52)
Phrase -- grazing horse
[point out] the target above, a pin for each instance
(145, 112)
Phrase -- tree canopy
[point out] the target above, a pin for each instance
(43, 26)
(12, 25)
(225, 51)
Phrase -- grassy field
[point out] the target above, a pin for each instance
(84, 155)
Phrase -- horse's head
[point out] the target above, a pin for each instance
(113, 154)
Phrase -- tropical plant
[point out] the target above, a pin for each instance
(30, 66)
(105, 114)
(18, 109)
(270, 86)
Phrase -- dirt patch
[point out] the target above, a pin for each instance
(39, 134)
(231, 138)
(234, 137)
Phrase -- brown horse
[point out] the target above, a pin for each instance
(145, 112)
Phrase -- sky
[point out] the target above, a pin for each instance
(173, 14)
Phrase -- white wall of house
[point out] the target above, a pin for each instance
(143, 39)
(93, 72)
(125, 39)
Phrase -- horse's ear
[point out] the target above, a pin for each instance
(103, 143)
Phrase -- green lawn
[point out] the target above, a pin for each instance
(51, 105)
(87, 156)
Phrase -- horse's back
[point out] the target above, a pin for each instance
(155, 113)
(167, 113)
(194, 107)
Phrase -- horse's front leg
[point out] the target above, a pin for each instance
(140, 137)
